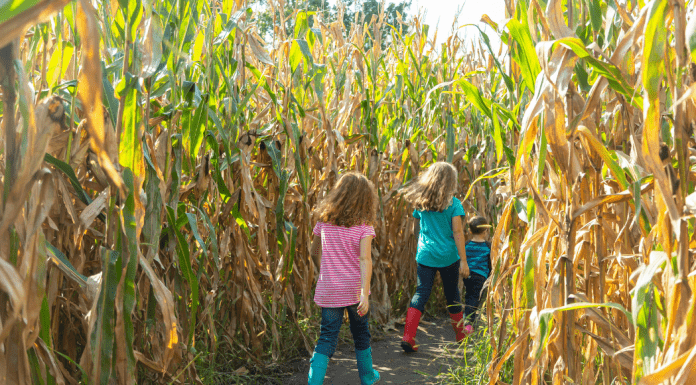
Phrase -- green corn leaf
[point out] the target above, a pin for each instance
(474, 95)
(304, 47)
(606, 156)
(262, 81)
(72, 362)
(216, 173)
(302, 24)
(543, 151)
(199, 42)
(65, 266)
(225, 34)
(316, 34)
(300, 166)
(497, 134)
(654, 48)
(240, 220)
(283, 179)
(102, 337)
(319, 72)
(36, 377)
(488, 175)
(520, 205)
(295, 55)
(175, 170)
(130, 147)
(45, 319)
(609, 71)
(135, 13)
(196, 129)
(12, 8)
(508, 81)
(451, 137)
(637, 198)
(110, 100)
(59, 63)
(545, 319)
(152, 227)
(529, 278)
(582, 76)
(526, 55)
(291, 232)
(241, 107)
(193, 224)
(184, 254)
(595, 15)
(46, 324)
(129, 242)
(644, 315)
(211, 236)
(68, 171)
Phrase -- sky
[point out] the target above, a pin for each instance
(441, 13)
(445, 10)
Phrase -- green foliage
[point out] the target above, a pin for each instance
(474, 357)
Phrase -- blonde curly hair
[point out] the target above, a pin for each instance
(352, 202)
(434, 189)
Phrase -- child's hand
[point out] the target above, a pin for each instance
(364, 305)
(464, 269)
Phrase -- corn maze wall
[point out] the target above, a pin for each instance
(160, 163)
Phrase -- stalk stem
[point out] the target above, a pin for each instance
(9, 99)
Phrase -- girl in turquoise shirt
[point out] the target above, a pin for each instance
(440, 246)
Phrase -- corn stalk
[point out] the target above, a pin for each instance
(164, 182)
(602, 285)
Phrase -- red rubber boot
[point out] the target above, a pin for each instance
(413, 317)
(458, 326)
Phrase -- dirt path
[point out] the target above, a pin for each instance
(435, 338)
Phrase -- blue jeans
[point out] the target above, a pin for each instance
(450, 284)
(331, 321)
(472, 296)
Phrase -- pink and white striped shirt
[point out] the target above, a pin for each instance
(339, 275)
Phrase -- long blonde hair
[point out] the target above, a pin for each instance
(434, 189)
(353, 201)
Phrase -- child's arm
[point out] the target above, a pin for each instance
(365, 274)
(315, 250)
(458, 232)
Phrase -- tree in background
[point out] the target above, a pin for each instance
(351, 11)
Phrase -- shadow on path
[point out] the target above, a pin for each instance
(436, 339)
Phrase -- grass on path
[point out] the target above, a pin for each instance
(474, 360)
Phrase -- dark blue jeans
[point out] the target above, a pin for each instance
(472, 295)
(331, 320)
(450, 284)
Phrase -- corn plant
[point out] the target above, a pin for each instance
(593, 265)
(160, 166)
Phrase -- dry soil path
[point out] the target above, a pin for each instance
(436, 340)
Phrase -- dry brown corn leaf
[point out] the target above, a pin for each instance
(90, 92)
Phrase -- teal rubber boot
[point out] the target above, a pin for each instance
(368, 375)
(317, 369)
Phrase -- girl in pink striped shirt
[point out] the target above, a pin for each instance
(342, 247)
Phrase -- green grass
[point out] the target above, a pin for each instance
(473, 359)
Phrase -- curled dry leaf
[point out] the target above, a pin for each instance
(90, 92)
